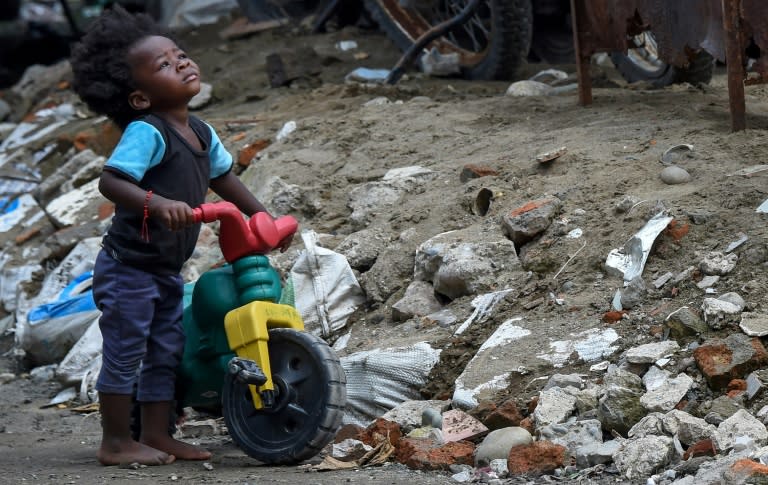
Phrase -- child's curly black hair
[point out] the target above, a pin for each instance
(102, 76)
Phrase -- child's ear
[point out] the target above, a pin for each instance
(138, 101)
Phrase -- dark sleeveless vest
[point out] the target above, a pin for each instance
(183, 174)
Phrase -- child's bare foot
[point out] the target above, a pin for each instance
(179, 449)
(116, 452)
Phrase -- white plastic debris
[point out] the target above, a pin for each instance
(286, 130)
(629, 261)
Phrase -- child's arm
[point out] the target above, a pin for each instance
(231, 189)
(173, 213)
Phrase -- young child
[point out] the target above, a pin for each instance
(128, 70)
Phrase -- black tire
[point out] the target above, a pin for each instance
(310, 396)
(504, 25)
(643, 64)
(553, 39)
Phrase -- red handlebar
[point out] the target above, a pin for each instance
(258, 235)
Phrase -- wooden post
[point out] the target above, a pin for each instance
(734, 55)
(583, 57)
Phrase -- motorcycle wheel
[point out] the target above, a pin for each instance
(492, 44)
(643, 64)
(310, 395)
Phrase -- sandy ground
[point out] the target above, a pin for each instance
(614, 149)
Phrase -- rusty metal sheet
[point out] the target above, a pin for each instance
(680, 27)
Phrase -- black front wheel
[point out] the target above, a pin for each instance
(310, 396)
(642, 63)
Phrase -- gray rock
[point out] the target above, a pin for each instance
(467, 262)
(685, 322)
(432, 417)
(742, 423)
(708, 282)
(668, 394)
(655, 377)
(634, 293)
(529, 88)
(719, 313)
(650, 353)
(419, 300)
(725, 406)
(497, 443)
(363, 247)
(564, 380)
(555, 406)
(735, 298)
(575, 435)
(5, 110)
(524, 223)
(643, 457)
(650, 425)
(674, 175)
(597, 453)
(78, 170)
(689, 429)
(619, 409)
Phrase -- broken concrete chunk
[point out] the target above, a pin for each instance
(650, 353)
(524, 223)
(419, 300)
(666, 396)
(467, 262)
(643, 457)
(689, 429)
(662, 280)
(740, 424)
(555, 406)
(717, 263)
(78, 206)
(719, 313)
(708, 282)
(408, 414)
(363, 247)
(754, 324)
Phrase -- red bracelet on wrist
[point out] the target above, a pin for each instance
(144, 227)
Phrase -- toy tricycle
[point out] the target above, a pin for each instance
(282, 391)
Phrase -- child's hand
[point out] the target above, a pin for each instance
(172, 213)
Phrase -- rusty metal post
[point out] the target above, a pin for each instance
(583, 56)
(734, 52)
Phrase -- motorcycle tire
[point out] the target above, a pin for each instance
(310, 396)
(643, 64)
(505, 25)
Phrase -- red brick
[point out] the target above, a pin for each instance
(527, 424)
(746, 469)
(716, 361)
(246, 154)
(471, 171)
(538, 457)
(700, 448)
(504, 416)
(382, 427)
(426, 454)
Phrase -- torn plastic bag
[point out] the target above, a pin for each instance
(53, 328)
(380, 379)
(325, 289)
(83, 356)
(629, 261)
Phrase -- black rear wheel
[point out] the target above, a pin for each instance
(310, 395)
(643, 64)
(492, 44)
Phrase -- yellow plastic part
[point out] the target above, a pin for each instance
(247, 330)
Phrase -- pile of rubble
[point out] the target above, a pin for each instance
(687, 406)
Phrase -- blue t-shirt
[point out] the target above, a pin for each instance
(156, 157)
(142, 147)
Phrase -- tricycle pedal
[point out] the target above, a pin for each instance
(247, 371)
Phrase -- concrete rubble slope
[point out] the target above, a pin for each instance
(493, 307)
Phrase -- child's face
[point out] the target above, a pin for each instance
(165, 77)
